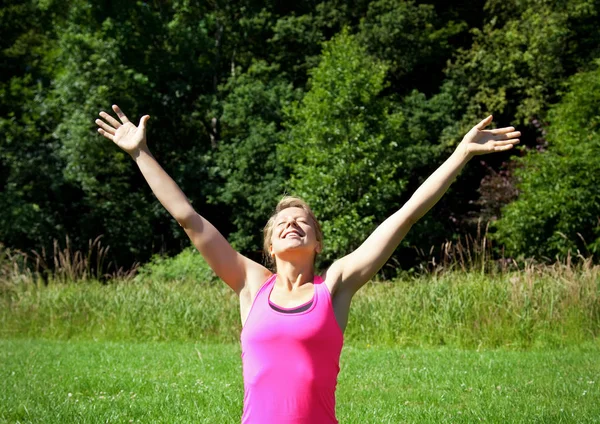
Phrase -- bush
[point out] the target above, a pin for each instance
(188, 266)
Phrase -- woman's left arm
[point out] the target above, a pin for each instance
(352, 271)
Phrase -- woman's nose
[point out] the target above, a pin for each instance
(290, 221)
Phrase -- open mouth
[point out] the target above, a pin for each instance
(292, 234)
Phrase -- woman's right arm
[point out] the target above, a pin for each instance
(233, 268)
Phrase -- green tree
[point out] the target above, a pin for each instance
(558, 208)
(412, 40)
(344, 147)
(34, 196)
(513, 68)
(521, 55)
(132, 56)
(249, 176)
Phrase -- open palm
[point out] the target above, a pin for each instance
(480, 141)
(125, 134)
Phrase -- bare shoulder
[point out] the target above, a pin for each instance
(333, 277)
(256, 276)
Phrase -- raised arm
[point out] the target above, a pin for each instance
(352, 271)
(233, 268)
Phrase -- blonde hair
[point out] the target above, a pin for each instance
(284, 203)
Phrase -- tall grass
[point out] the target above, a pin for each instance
(538, 306)
(465, 299)
(62, 264)
(120, 311)
(470, 253)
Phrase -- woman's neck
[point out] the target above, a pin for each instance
(292, 276)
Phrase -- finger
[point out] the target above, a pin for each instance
(105, 134)
(120, 114)
(112, 121)
(504, 130)
(508, 136)
(503, 148)
(484, 123)
(105, 126)
(143, 121)
(505, 142)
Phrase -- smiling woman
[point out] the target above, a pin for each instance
(295, 209)
(291, 356)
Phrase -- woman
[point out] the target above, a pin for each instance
(293, 321)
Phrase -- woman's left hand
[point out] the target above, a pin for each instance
(480, 141)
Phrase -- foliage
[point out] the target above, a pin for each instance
(514, 69)
(411, 39)
(216, 79)
(340, 139)
(104, 55)
(519, 57)
(246, 160)
(103, 64)
(186, 266)
(558, 208)
(34, 198)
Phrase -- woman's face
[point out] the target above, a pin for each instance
(293, 231)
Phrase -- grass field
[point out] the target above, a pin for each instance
(457, 346)
(550, 307)
(120, 382)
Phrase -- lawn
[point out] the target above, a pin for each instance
(98, 382)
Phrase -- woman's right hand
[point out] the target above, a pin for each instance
(127, 136)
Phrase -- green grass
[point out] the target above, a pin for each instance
(98, 382)
(537, 307)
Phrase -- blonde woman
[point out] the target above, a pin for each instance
(293, 320)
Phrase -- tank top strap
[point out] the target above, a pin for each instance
(262, 295)
(322, 287)
(318, 284)
(265, 289)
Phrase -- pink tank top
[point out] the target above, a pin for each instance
(291, 361)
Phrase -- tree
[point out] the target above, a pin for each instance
(249, 175)
(514, 68)
(344, 147)
(521, 55)
(34, 196)
(558, 208)
(412, 40)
